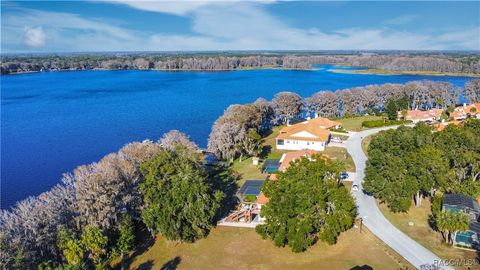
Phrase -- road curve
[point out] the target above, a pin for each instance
(412, 251)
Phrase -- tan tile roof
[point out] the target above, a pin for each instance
(463, 111)
(321, 134)
(272, 177)
(423, 115)
(443, 125)
(262, 199)
(324, 122)
(292, 156)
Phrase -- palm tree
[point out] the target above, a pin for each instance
(449, 222)
(443, 225)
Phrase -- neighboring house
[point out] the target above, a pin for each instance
(462, 112)
(287, 158)
(422, 116)
(305, 135)
(462, 203)
(441, 126)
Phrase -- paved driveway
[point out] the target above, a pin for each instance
(374, 220)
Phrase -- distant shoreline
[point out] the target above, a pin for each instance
(368, 71)
(163, 70)
(390, 73)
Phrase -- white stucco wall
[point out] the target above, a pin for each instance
(300, 144)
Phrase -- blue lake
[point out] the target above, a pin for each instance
(54, 121)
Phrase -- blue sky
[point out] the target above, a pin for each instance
(76, 26)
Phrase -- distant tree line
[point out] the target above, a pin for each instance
(407, 164)
(390, 62)
(91, 217)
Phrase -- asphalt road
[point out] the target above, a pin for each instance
(412, 251)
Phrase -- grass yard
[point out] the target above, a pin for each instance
(243, 248)
(340, 153)
(365, 143)
(422, 233)
(269, 144)
(247, 170)
(355, 123)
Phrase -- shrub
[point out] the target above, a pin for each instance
(383, 123)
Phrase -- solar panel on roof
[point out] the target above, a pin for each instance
(251, 187)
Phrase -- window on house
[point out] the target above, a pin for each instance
(288, 141)
(279, 142)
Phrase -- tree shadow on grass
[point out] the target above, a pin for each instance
(145, 266)
(172, 264)
(266, 150)
(226, 182)
(363, 267)
(144, 241)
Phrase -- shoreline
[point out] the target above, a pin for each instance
(382, 72)
(368, 71)
(165, 70)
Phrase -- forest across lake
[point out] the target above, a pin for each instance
(54, 121)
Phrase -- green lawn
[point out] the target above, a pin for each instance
(340, 153)
(243, 248)
(365, 143)
(269, 144)
(355, 123)
(247, 170)
(423, 233)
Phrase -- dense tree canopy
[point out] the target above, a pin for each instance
(409, 163)
(306, 204)
(287, 106)
(181, 198)
(68, 224)
(233, 134)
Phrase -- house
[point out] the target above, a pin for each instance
(421, 116)
(462, 203)
(462, 112)
(287, 158)
(305, 135)
(441, 126)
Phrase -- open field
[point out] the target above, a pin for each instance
(423, 233)
(354, 123)
(242, 248)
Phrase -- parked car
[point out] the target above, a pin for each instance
(355, 187)
(343, 175)
(336, 140)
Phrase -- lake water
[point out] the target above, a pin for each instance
(54, 121)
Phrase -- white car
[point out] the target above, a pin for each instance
(336, 140)
(355, 187)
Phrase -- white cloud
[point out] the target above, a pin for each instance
(34, 37)
(179, 7)
(403, 19)
(225, 26)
